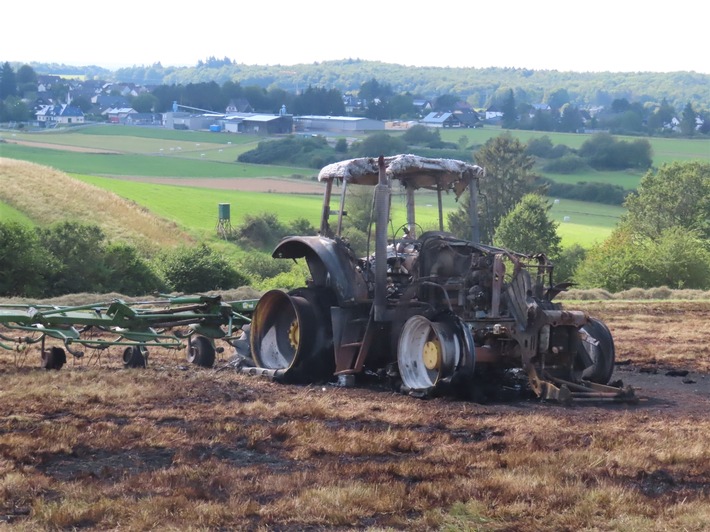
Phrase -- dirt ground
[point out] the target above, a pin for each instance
(96, 446)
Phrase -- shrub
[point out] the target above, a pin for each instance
(197, 269)
(567, 164)
(128, 273)
(23, 262)
(539, 147)
(262, 266)
(261, 230)
(78, 250)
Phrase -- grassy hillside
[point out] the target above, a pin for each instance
(46, 196)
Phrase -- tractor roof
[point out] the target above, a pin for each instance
(410, 170)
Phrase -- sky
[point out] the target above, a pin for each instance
(587, 36)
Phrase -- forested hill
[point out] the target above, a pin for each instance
(478, 86)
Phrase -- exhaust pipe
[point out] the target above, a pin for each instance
(382, 210)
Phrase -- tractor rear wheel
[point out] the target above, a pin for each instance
(293, 332)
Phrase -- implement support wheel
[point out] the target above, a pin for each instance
(53, 358)
(200, 352)
(135, 357)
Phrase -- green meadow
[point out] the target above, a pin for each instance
(197, 208)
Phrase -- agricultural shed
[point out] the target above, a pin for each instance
(336, 123)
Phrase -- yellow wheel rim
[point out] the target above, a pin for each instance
(294, 334)
(431, 355)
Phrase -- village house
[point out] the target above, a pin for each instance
(51, 115)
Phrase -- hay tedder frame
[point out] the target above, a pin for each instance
(192, 322)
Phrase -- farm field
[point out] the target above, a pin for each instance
(664, 149)
(200, 170)
(96, 446)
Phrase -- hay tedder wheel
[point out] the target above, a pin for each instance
(201, 352)
(53, 358)
(135, 357)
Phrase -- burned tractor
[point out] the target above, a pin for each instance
(432, 312)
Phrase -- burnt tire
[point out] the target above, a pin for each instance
(54, 358)
(135, 357)
(602, 354)
(293, 332)
(201, 352)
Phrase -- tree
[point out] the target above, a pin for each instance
(661, 117)
(373, 89)
(144, 103)
(571, 119)
(378, 144)
(558, 98)
(446, 102)
(8, 81)
(508, 178)
(529, 229)
(16, 110)
(319, 101)
(687, 121)
(83, 103)
(26, 80)
(510, 113)
(677, 195)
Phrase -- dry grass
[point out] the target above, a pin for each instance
(635, 294)
(48, 196)
(177, 448)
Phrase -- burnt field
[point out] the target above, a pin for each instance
(96, 446)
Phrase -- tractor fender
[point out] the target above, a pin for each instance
(331, 263)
